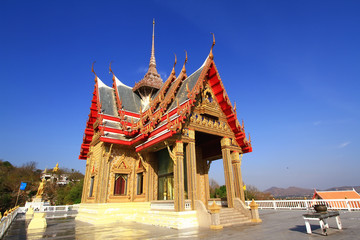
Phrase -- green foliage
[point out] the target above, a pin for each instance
(213, 186)
(69, 194)
(11, 177)
(220, 192)
(253, 193)
(250, 193)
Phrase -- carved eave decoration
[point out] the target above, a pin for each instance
(144, 164)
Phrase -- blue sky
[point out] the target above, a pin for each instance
(291, 66)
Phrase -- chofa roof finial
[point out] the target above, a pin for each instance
(186, 59)
(173, 70)
(92, 67)
(110, 70)
(211, 56)
(93, 71)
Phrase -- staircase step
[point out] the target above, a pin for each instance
(231, 216)
(236, 223)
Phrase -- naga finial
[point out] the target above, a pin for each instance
(92, 67)
(110, 70)
(211, 56)
(186, 59)
(173, 70)
(93, 71)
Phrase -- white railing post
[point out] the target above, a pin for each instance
(306, 204)
(274, 204)
(348, 205)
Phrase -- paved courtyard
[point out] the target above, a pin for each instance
(277, 224)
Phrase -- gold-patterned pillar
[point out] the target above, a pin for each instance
(236, 164)
(228, 173)
(131, 194)
(191, 168)
(179, 198)
(149, 178)
(86, 181)
(207, 187)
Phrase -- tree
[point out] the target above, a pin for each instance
(252, 192)
(220, 192)
(11, 177)
(213, 186)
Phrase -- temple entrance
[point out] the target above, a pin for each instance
(165, 175)
(166, 187)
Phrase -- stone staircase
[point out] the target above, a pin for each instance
(232, 216)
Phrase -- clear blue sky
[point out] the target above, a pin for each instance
(293, 68)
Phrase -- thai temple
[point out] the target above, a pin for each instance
(148, 149)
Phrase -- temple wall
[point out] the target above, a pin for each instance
(92, 172)
(100, 214)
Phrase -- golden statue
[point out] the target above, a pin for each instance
(56, 168)
(40, 190)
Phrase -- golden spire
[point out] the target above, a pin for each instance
(152, 58)
(211, 56)
(152, 78)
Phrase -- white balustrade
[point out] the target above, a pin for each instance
(218, 201)
(5, 222)
(168, 205)
(332, 204)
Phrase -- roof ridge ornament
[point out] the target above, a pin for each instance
(211, 56)
(93, 71)
(186, 59)
(92, 68)
(173, 70)
(110, 70)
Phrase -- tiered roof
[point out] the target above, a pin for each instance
(343, 194)
(117, 117)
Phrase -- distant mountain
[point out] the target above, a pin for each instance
(304, 192)
(290, 192)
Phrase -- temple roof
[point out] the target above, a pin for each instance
(344, 194)
(130, 102)
(189, 82)
(121, 120)
(118, 114)
(152, 80)
(107, 99)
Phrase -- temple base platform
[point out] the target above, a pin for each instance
(105, 213)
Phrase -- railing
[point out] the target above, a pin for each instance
(332, 204)
(218, 201)
(168, 205)
(6, 221)
(60, 211)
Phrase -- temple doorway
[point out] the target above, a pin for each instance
(165, 175)
(166, 187)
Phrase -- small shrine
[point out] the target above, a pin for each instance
(148, 148)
